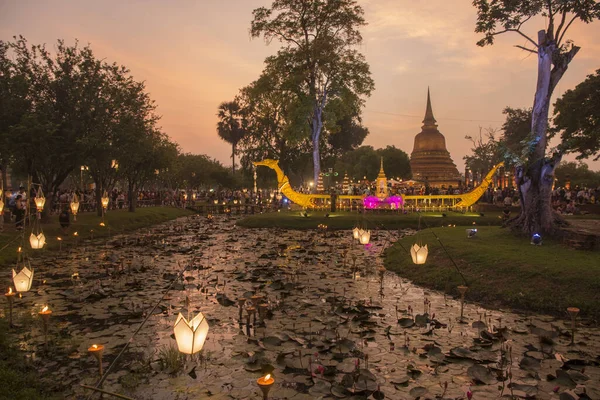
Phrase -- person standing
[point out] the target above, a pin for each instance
(19, 212)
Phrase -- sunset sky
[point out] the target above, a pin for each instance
(195, 54)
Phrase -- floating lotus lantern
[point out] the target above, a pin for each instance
(419, 253)
(355, 233)
(74, 205)
(365, 237)
(37, 241)
(104, 200)
(190, 335)
(40, 200)
(23, 279)
(471, 233)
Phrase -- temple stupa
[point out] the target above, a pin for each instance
(430, 161)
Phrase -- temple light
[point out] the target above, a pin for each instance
(419, 253)
(37, 241)
(104, 200)
(536, 239)
(23, 279)
(190, 335)
(471, 233)
(74, 205)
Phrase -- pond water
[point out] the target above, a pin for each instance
(336, 325)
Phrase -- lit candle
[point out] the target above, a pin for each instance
(265, 384)
(96, 350)
(46, 312)
(10, 298)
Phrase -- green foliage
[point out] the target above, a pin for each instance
(170, 359)
(577, 115)
(366, 161)
(231, 126)
(18, 379)
(578, 174)
(317, 64)
(197, 171)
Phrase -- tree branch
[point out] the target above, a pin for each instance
(526, 49)
(565, 31)
(560, 26)
(519, 32)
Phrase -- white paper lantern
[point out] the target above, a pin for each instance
(471, 232)
(104, 200)
(365, 237)
(418, 253)
(40, 200)
(355, 232)
(74, 204)
(37, 241)
(190, 335)
(23, 279)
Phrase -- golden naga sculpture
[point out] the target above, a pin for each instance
(309, 200)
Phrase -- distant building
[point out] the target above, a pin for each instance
(430, 161)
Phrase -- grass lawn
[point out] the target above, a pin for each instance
(504, 270)
(348, 220)
(116, 221)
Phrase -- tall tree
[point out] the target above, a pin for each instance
(318, 61)
(536, 176)
(577, 115)
(485, 152)
(48, 142)
(230, 127)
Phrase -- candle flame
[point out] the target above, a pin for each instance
(94, 346)
(267, 377)
(75, 234)
(102, 224)
(19, 249)
(59, 238)
(9, 290)
(45, 309)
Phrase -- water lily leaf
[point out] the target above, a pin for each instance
(406, 322)
(529, 364)
(528, 390)
(418, 391)
(479, 373)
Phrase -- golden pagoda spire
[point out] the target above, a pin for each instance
(429, 119)
(381, 171)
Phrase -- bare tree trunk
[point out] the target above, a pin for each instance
(132, 197)
(98, 197)
(233, 159)
(535, 180)
(317, 126)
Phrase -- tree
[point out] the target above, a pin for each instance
(365, 161)
(48, 143)
(348, 135)
(485, 152)
(317, 61)
(577, 174)
(230, 127)
(577, 115)
(536, 175)
(14, 105)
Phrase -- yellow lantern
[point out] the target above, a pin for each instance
(37, 241)
(193, 196)
(185, 196)
(74, 204)
(23, 279)
(190, 335)
(356, 233)
(418, 253)
(365, 237)
(104, 200)
(40, 200)
(114, 164)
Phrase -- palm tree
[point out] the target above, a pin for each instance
(230, 127)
